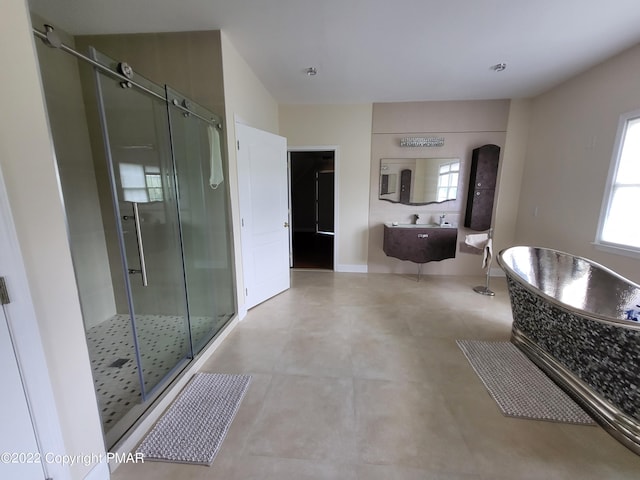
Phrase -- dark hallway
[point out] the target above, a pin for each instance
(312, 205)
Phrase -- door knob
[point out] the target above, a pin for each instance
(286, 224)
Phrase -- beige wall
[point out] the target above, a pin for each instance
(28, 164)
(245, 96)
(248, 101)
(349, 128)
(570, 145)
(511, 171)
(464, 125)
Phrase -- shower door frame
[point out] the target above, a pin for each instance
(190, 109)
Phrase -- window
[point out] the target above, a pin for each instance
(153, 181)
(619, 228)
(448, 180)
(140, 183)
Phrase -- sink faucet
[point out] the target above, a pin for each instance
(442, 219)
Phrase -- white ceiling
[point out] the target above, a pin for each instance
(385, 50)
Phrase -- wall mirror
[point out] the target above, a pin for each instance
(419, 181)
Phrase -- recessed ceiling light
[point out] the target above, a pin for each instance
(311, 71)
(499, 67)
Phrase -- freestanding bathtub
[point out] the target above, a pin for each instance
(574, 319)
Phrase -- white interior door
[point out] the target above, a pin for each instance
(264, 212)
(18, 445)
(28, 416)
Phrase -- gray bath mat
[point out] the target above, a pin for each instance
(193, 428)
(518, 386)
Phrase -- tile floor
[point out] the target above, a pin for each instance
(358, 377)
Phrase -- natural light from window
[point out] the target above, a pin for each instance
(620, 226)
(448, 180)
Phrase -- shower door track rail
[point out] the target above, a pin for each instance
(52, 41)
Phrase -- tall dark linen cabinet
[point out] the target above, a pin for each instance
(482, 187)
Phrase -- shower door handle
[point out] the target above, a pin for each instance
(143, 265)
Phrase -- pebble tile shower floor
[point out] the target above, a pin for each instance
(113, 359)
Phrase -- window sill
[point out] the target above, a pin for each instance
(617, 250)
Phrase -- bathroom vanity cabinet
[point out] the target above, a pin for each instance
(420, 243)
(482, 187)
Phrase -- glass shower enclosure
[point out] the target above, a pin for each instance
(163, 242)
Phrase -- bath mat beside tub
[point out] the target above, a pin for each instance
(518, 386)
(194, 426)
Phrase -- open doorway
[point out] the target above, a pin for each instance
(312, 209)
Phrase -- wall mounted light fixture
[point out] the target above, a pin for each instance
(422, 142)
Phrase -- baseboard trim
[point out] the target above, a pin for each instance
(352, 268)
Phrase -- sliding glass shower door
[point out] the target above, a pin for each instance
(141, 173)
(204, 216)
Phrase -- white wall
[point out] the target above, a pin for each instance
(570, 145)
(248, 100)
(349, 128)
(27, 162)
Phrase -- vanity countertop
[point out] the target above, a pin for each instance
(419, 225)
